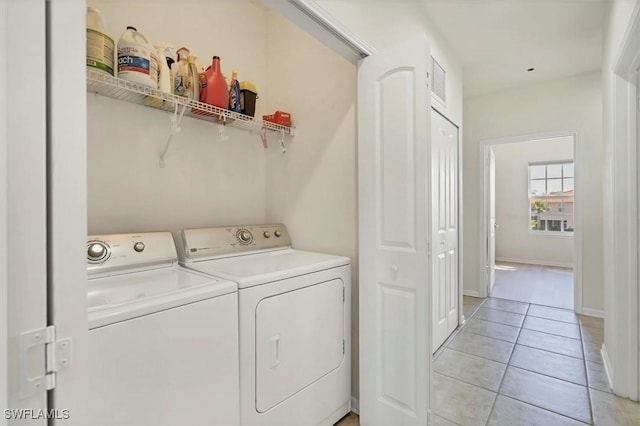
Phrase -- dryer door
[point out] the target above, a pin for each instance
(299, 339)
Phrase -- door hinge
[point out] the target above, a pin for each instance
(41, 356)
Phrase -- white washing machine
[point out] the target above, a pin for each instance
(295, 322)
(163, 340)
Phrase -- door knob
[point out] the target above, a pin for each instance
(395, 268)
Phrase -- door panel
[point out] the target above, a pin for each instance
(394, 100)
(395, 300)
(445, 233)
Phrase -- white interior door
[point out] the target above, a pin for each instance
(444, 204)
(393, 141)
(24, 95)
(491, 232)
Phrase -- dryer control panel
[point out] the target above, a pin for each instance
(112, 252)
(229, 240)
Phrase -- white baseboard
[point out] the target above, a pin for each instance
(473, 293)
(535, 262)
(598, 313)
(355, 405)
(607, 365)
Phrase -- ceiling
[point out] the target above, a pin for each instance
(498, 40)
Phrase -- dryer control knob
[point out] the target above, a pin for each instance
(244, 236)
(139, 246)
(96, 251)
(267, 234)
(278, 234)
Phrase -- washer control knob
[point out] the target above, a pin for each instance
(278, 234)
(139, 246)
(267, 234)
(244, 236)
(96, 251)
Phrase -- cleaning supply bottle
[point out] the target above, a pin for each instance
(181, 73)
(137, 60)
(100, 47)
(234, 93)
(194, 78)
(214, 90)
(164, 72)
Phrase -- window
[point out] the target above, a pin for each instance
(551, 197)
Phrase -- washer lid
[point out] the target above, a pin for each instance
(121, 297)
(260, 268)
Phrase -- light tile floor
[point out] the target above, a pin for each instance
(513, 363)
(542, 285)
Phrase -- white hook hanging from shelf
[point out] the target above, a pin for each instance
(221, 129)
(263, 138)
(284, 148)
(221, 132)
(175, 119)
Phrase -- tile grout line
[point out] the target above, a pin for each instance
(474, 355)
(553, 319)
(547, 375)
(586, 374)
(464, 381)
(545, 409)
(547, 350)
(493, 406)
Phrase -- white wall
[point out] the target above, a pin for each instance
(206, 181)
(568, 104)
(313, 187)
(514, 241)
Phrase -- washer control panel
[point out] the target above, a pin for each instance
(228, 240)
(124, 251)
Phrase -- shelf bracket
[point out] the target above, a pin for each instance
(176, 119)
(263, 138)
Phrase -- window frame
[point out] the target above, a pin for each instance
(547, 233)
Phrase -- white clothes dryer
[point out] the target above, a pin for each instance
(295, 322)
(163, 340)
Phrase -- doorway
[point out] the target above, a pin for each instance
(530, 226)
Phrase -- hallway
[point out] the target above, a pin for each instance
(516, 363)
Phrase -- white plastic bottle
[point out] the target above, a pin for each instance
(137, 59)
(100, 47)
(165, 82)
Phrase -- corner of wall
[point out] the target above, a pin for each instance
(608, 368)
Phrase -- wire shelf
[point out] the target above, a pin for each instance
(116, 88)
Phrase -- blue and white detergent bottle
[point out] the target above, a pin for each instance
(137, 59)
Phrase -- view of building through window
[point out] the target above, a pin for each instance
(551, 196)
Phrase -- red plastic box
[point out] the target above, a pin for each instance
(279, 117)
